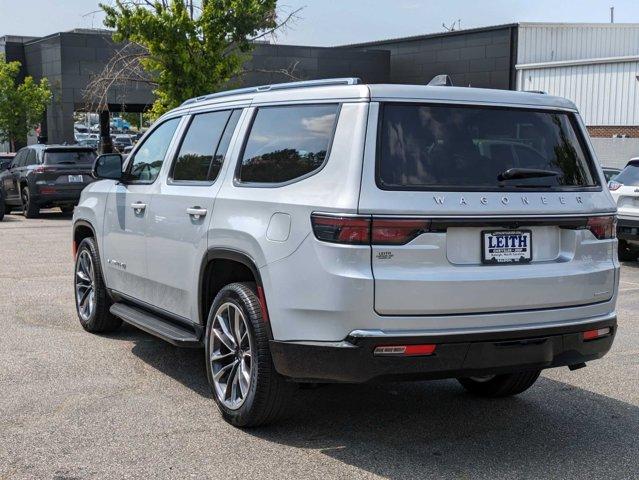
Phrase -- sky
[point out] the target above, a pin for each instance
(338, 22)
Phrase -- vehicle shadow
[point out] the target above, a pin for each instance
(16, 216)
(434, 429)
(185, 365)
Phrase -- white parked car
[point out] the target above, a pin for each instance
(625, 190)
(330, 231)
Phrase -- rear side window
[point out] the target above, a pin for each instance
(287, 143)
(431, 147)
(629, 175)
(204, 146)
(69, 157)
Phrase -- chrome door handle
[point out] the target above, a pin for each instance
(139, 207)
(196, 212)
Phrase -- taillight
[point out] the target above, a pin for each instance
(336, 229)
(603, 227)
(612, 185)
(365, 230)
(397, 231)
(42, 169)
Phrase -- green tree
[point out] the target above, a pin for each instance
(190, 49)
(21, 105)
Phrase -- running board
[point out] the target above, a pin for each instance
(178, 335)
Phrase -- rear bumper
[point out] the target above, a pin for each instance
(353, 361)
(67, 196)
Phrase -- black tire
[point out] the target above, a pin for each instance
(501, 385)
(29, 209)
(67, 210)
(2, 207)
(627, 253)
(268, 391)
(100, 319)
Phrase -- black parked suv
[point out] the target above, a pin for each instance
(42, 176)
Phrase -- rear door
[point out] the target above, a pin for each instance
(502, 210)
(181, 210)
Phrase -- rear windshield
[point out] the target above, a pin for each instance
(629, 175)
(431, 147)
(69, 157)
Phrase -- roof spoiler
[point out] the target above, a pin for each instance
(441, 81)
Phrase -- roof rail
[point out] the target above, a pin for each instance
(278, 86)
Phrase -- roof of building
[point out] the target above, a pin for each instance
(432, 35)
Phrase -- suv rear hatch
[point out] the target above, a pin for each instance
(480, 209)
(66, 169)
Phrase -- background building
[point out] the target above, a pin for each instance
(597, 67)
(594, 65)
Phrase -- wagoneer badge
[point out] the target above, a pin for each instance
(508, 200)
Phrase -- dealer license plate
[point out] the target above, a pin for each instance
(512, 246)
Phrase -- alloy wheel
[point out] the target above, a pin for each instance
(85, 285)
(231, 355)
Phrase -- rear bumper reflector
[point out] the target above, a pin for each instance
(598, 333)
(404, 350)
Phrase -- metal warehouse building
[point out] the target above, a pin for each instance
(597, 67)
(594, 65)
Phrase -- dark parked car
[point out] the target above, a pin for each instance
(121, 142)
(42, 176)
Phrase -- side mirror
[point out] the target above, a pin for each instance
(108, 166)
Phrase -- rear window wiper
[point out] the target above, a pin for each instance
(517, 173)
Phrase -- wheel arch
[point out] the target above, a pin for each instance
(244, 269)
(81, 230)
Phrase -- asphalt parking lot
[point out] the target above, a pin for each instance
(75, 405)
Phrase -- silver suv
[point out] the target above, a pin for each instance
(330, 231)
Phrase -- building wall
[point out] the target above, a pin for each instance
(594, 65)
(270, 63)
(610, 131)
(615, 152)
(551, 42)
(607, 94)
(476, 57)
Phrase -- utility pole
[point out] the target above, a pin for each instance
(612, 14)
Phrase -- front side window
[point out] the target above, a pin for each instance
(147, 161)
(286, 143)
(430, 147)
(202, 151)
